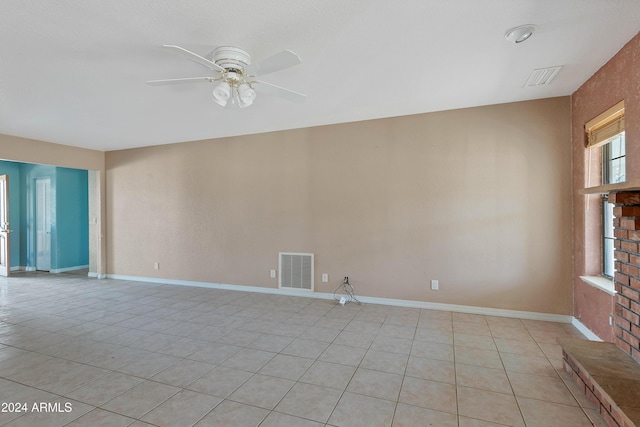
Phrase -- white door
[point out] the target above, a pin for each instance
(5, 265)
(43, 224)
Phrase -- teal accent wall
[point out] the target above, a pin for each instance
(69, 214)
(72, 219)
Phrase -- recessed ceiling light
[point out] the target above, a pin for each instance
(520, 33)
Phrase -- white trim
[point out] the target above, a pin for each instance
(499, 312)
(601, 283)
(65, 269)
(95, 275)
(585, 331)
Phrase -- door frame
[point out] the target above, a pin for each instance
(5, 240)
(48, 218)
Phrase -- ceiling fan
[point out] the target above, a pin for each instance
(235, 74)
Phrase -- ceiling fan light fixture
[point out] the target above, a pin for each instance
(520, 34)
(246, 94)
(234, 74)
(222, 93)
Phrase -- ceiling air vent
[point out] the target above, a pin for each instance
(296, 271)
(542, 76)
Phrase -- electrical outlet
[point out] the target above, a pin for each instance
(325, 278)
(435, 285)
(272, 274)
(156, 265)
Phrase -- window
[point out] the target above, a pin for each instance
(613, 171)
(606, 132)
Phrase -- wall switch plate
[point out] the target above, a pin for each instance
(156, 265)
(325, 278)
(434, 285)
(272, 273)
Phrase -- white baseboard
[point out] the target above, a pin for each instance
(95, 275)
(65, 269)
(23, 268)
(585, 331)
(529, 315)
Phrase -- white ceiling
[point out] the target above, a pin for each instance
(73, 71)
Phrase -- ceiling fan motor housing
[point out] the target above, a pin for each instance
(232, 59)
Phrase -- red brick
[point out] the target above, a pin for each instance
(631, 294)
(625, 257)
(609, 419)
(623, 345)
(603, 397)
(616, 223)
(635, 307)
(630, 223)
(634, 283)
(623, 324)
(628, 246)
(620, 233)
(629, 269)
(632, 340)
(630, 316)
(619, 211)
(633, 235)
(592, 398)
(623, 279)
(586, 379)
(617, 244)
(635, 353)
(581, 385)
(631, 258)
(625, 198)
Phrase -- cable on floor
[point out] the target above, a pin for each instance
(345, 288)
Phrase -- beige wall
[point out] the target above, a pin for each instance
(33, 151)
(478, 198)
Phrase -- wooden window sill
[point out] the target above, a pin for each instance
(611, 188)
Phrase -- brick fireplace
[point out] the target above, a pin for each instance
(627, 277)
(609, 373)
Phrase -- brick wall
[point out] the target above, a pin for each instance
(627, 277)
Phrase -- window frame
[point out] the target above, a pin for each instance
(609, 158)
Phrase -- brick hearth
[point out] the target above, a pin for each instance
(609, 373)
(627, 276)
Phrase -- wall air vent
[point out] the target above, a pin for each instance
(296, 271)
(542, 76)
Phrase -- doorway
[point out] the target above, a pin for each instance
(5, 264)
(43, 224)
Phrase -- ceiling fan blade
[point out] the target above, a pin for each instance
(279, 61)
(176, 81)
(283, 93)
(194, 57)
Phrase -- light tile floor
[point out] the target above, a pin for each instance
(91, 352)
